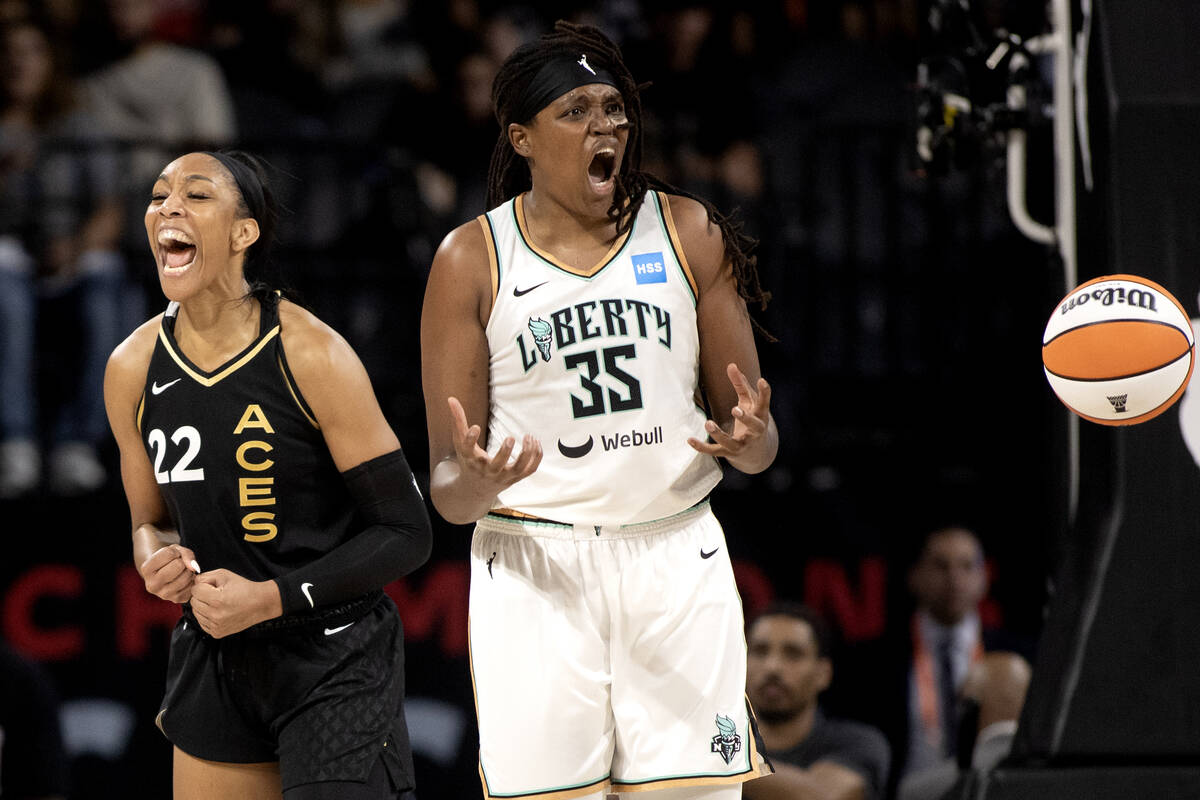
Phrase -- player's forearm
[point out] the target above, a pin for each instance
(149, 539)
(459, 499)
(370, 560)
(397, 539)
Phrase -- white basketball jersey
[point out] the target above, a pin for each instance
(601, 366)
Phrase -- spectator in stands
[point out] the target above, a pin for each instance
(378, 45)
(814, 756)
(156, 91)
(996, 685)
(60, 223)
(290, 100)
(156, 97)
(451, 171)
(948, 581)
(992, 696)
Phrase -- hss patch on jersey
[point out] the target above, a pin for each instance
(649, 268)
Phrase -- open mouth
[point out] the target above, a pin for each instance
(601, 168)
(177, 251)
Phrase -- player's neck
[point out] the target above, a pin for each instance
(210, 330)
(553, 226)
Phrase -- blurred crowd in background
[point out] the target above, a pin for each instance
(903, 357)
(796, 113)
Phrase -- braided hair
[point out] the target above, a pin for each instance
(508, 174)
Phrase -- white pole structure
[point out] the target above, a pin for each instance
(1057, 43)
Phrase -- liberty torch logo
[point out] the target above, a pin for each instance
(726, 742)
(541, 337)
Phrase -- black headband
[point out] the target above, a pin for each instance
(247, 182)
(557, 77)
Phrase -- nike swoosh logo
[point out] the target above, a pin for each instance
(518, 292)
(578, 451)
(156, 389)
(307, 596)
(710, 553)
(332, 631)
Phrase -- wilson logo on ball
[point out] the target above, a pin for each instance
(1118, 350)
(1112, 294)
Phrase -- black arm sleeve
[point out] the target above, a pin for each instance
(397, 538)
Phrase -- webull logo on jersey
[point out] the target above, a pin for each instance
(589, 324)
(617, 441)
(649, 268)
(634, 438)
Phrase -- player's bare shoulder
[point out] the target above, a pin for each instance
(125, 374)
(462, 247)
(311, 346)
(461, 275)
(328, 373)
(703, 244)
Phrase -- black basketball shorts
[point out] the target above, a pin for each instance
(320, 693)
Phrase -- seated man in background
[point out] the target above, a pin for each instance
(814, 757)
(948, 581)
(992, 696)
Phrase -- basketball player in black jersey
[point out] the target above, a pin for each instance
(270, 497)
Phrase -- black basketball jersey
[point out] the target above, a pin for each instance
(239, 457)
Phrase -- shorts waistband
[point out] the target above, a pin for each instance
(507, 521)
(351, 609)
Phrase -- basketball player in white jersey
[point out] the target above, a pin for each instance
(587, 358)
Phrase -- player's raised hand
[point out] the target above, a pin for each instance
(495, 471)
(169, 573)
(752, 428)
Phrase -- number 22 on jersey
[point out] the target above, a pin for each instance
(253, 490)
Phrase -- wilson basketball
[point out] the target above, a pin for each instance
(1118, 350)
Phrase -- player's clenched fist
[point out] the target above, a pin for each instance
(225, 603)
(169, 573)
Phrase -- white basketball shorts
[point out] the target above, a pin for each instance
(608, 656)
